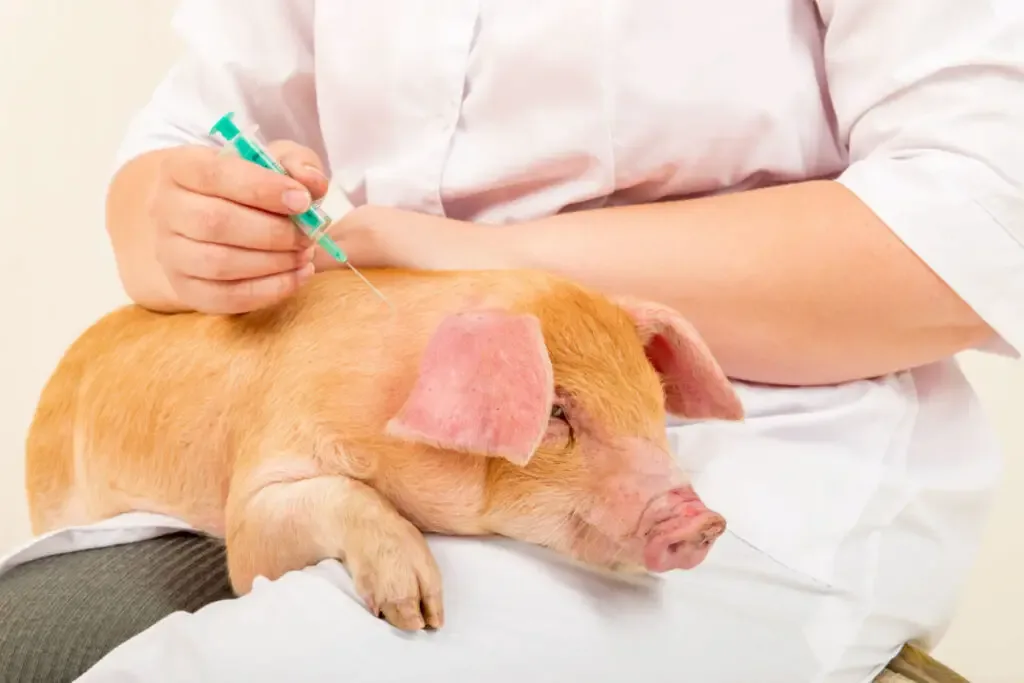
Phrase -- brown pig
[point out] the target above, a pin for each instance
(332, 426)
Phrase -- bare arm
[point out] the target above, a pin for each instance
(800, 284)
(132, 234)
(191, 231)
(913, 253)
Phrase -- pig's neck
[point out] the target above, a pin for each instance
(439, 492)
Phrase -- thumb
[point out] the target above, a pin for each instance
(303, 164)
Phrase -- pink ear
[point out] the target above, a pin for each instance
(695, 386)
(485, 386)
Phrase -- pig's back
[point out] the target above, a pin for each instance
(137, 416)
(356, 357)
(145, 411)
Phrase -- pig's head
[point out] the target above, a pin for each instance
(567, 398)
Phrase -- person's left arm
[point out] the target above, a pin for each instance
(913, 254)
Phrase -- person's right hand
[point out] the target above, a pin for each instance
(223, 236)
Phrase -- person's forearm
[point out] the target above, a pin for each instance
(131, 234)
(800, 284)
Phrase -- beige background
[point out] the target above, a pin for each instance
(71, 74)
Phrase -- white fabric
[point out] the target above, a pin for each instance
(854, 511)
(127, 528)
(481, 110)
(515, 616)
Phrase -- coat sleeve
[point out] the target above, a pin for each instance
(929, 100)
(252, 58)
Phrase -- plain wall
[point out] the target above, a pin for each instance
(72, 72)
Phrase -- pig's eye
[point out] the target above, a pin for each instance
(558, 413)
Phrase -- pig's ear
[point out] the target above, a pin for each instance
(695, 386)
(485, 386)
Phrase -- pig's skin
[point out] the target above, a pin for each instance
(292, 433)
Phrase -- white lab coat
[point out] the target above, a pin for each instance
(853, 510)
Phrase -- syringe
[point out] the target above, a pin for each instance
(314, 221)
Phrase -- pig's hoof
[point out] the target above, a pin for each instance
(412, 614)
(397, 577)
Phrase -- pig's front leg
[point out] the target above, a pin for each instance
(290, 525)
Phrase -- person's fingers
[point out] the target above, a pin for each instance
(219, 221)
(204, 171)
(241, 296)
(303, 164)
(207, 261)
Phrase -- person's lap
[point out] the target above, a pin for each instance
(514, 613)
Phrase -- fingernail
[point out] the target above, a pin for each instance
(307, 255)
(315, 171)
(297, 201)
(305, 273)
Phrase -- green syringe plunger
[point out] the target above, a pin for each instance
(314, 221)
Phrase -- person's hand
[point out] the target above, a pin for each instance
(223, 236)
(386, 237)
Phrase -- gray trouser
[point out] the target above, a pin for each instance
(60, 615)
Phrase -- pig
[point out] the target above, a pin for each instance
(495, 403)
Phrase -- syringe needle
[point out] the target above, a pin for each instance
(369, 284)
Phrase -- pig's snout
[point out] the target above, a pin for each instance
(678, 530)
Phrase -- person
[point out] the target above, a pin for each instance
(830, 190)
